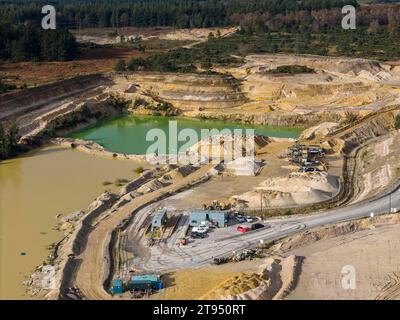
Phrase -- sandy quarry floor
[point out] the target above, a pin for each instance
(194, 283)
(223, 187)
(373, 253)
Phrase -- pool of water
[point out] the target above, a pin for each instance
(127, 133)
(34, 188)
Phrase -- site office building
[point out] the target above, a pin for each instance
(217, 217)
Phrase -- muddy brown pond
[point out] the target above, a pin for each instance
(34, 188)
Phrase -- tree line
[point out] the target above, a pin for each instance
(21, 43)
(151, 13)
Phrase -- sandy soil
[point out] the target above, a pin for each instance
(372, 252)
(108, 35)
(194, 283)
(274, 279)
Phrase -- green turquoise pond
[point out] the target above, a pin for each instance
(127, 133)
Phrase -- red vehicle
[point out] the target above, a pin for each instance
(243, 229)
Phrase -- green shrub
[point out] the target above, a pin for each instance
(120, 182)
(397, 121)
(138, 170)
(120, 66)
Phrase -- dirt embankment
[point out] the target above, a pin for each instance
(45, 111)
(16, 104)
(372, 126)
(252, 95)
(186, 91)
(220, 97)
(67, 118)
(276, 278)
(379, 166)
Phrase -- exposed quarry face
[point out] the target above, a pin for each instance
(337, 86)
(189, 91)
(250, 95)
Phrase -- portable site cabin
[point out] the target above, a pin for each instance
(218, 217)
(145, 282)
(118, 286)
(159, 219)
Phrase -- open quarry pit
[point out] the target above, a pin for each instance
(348, 105)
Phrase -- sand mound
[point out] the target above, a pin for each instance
(320, 130)
(229, 146)
(275, 280)
(244, 166)
(295, 189)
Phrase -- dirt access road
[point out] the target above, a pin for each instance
(90, 275)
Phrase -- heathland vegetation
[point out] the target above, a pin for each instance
(289, 26)
(380, 45)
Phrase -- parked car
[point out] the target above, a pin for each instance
(243, 229)
(197, 235)
(250, 219)
(240, 218)
(199, 229)
(256, 226)
(205, 224)
(307, 169)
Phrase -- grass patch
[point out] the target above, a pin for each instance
(138, 170)
(397, 121)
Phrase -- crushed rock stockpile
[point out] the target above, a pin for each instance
(295, 189)
(318, 131)
(230, 146)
